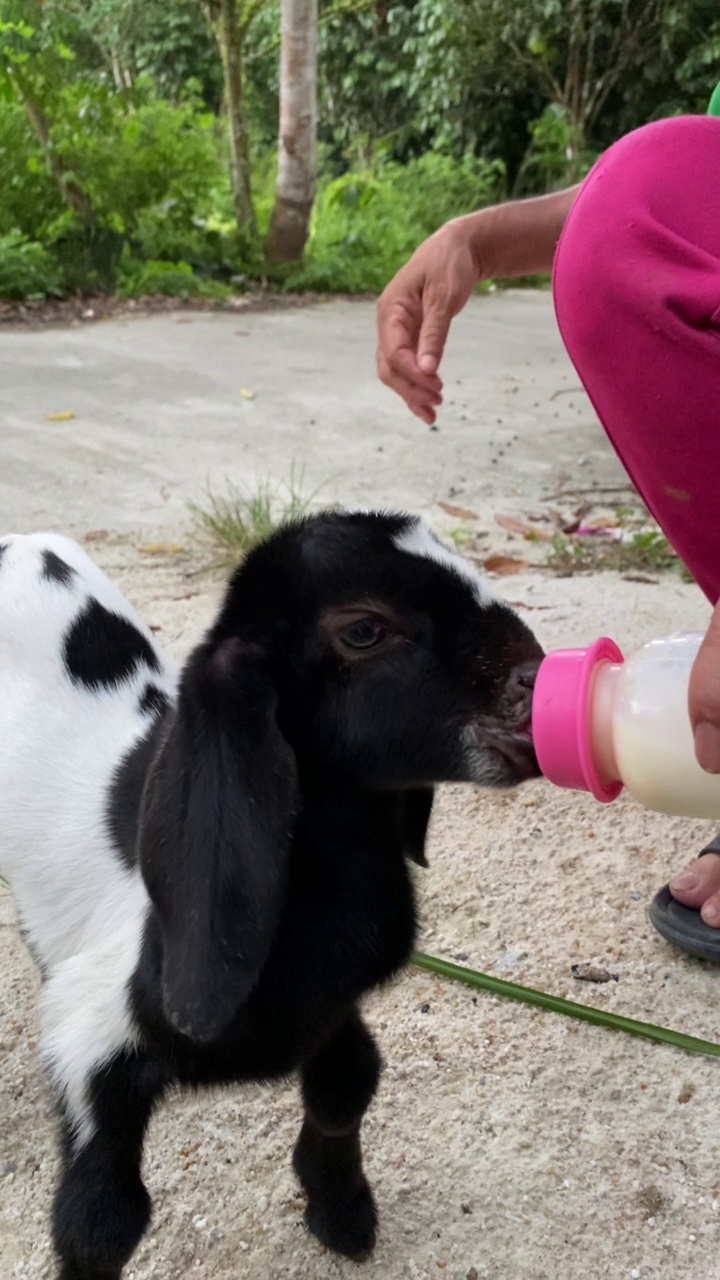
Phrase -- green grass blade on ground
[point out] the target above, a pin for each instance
(569, 1008)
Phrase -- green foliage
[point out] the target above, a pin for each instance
(150, 170)
(27, 269)
(167, 279)
(134, 153)
(125, 39)
(366, 225)
(116, 167)
(639, 551)
(551, 161)
(28, 198)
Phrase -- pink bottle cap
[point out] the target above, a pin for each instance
(561, 719)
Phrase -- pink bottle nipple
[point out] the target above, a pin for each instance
(561, 718)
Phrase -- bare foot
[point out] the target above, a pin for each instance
(699, 887)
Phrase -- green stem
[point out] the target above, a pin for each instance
(570, 1009)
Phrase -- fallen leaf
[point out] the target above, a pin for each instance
(604, 524)
(504, 565)
(162, 549)
(529, 531)
(97, 535)
(460, 513)
(247, 394)
(67, 415)
(512, 524)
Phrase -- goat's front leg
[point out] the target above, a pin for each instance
(102, 1207)
(338, 1085)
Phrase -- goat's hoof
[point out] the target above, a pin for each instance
(345, 1225)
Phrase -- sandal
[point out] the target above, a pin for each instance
(683, 926)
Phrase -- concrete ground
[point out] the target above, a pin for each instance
(506, 1143)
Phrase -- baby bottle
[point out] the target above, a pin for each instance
(602, 722)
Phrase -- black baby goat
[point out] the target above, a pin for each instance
(209, 865)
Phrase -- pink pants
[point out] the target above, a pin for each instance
(637, 294)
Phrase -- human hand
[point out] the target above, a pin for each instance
(415, 312)
(704, 698)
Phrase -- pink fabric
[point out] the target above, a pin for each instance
(637, 295)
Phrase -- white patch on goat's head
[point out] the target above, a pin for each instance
(418, 539)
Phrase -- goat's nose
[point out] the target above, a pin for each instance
(521, 680)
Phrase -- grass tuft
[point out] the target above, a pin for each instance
(237, 520)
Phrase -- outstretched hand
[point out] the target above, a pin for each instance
(415, 312)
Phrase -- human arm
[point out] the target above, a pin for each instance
(417, 307)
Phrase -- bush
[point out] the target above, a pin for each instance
(133, 155)
(553, 159)
(366, 225)
(28, 198)
(150, 168)
(27, 269)
(169, 279)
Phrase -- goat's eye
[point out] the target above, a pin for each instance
(364, 634)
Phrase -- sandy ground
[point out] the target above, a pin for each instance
(505, 1142)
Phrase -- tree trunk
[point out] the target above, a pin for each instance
(230, 32)
(297, 158)
(71, 192)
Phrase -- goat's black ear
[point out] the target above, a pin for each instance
(415, 810)
(217, 817)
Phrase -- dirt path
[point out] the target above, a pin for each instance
(505, 1143)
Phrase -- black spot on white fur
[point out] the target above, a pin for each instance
(3, 549)
(153, 701)
(102, 648)
(56, 570)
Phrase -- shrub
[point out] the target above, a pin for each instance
(366, 225)
(27, 269)
(553, 159)
(150, 168)
(28, 197)
(170, 279)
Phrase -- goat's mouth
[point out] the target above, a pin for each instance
(511, 749)
(517, 746)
